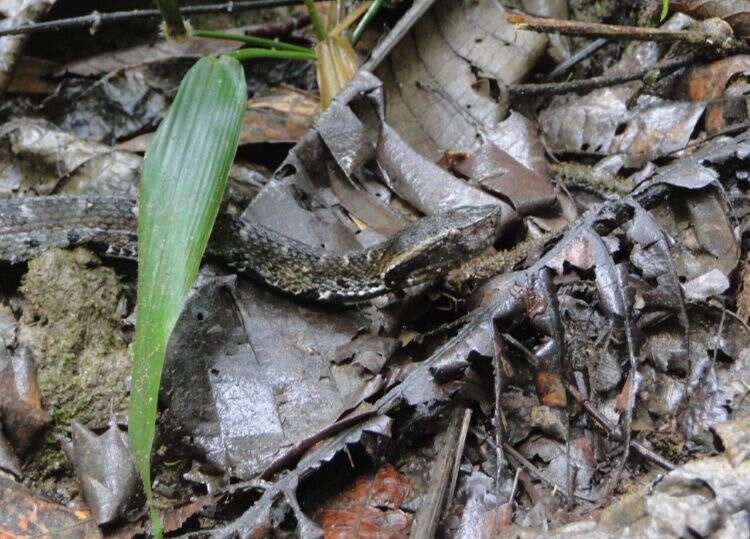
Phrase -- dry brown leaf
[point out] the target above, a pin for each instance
(33, 77)
(15, 13)
(428, 76)
(26, 515)
(336, 66)
(710, 82)
(282, 116)
(735, 12)
(370, 508)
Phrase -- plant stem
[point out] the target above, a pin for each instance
(174, 25)
(252, 40)
(317, 24)
(252, 53)
(374, 8)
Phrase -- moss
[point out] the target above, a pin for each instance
(71, 322)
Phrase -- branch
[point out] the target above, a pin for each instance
(95, 19)
(555, 88)
(727, 44)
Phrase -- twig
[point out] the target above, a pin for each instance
(578, 56)
(497, 361)
(459, 454)
(95, 19)
(428, 514)
(555, 88)
(539, 474)
(614, 432)
(727, 44)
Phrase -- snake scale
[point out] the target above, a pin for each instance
(419, 253)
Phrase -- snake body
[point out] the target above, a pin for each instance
(108, 225)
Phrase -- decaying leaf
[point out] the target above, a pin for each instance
(430, 74)
(369, 508)
(21, 414)
(241, 365)
(11, 47)
(735, 12)
(715, 80)
(38, 158)
(106, 470)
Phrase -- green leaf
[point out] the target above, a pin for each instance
(664, 9)
(184, 174)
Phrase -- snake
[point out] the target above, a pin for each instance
(419, 253)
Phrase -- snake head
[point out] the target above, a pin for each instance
(439, 242)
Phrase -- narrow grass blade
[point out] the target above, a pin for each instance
(184, 175)
(664, 9)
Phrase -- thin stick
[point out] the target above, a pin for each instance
(614, 432)
(636, 33)
(578, 56)
(459, 455)
(556, 88)
(500, 460)
(539, 474)
(95, 19)
(427, 516)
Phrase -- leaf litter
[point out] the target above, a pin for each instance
(608, 379)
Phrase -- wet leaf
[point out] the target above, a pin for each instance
(280, 117)
(158, 52)
(106, 470)
(33, 77)
(117, 106)
(247, 392)
(511, 165)
(423, 184)
(259, 519)
(553, 454)
(38, 158)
